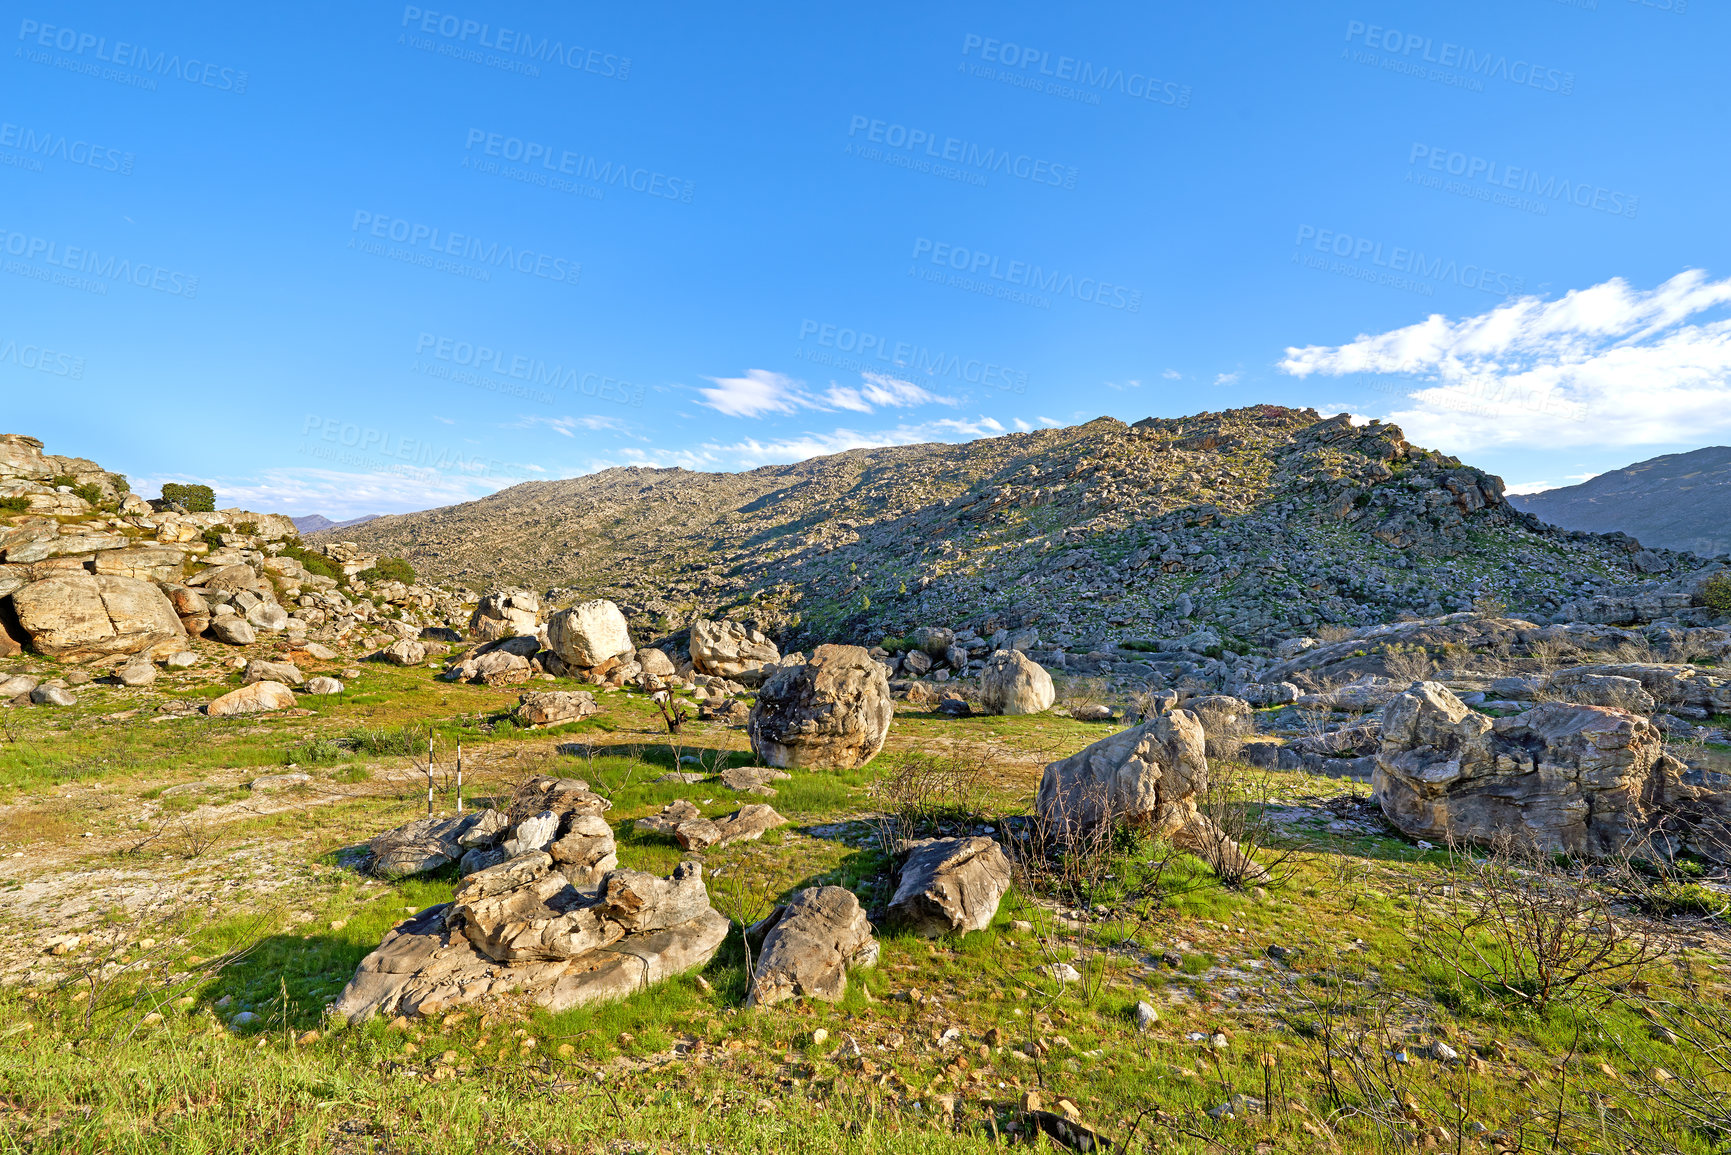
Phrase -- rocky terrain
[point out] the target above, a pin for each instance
(1256, 523)
(1679, 501)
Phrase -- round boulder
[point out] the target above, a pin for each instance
(830, 713)
(1013, 683)
(590, 634)
(254, 699)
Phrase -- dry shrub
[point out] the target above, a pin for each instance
(1408, 663)
(1528, 928)
(920, 794)
(1237, 840)
(1333, 633)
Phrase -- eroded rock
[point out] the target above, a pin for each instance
(831, 713)
(811, 944)
(950, 885)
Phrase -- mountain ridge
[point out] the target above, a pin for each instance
(1679, 501)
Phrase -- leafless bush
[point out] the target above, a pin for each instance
(1333, 633)
(1237, 838)
(1408, 663)
(192, 835)
(1547, 656)
(919, 793)
(1655, 1111)
(1076, 692)
(1524, 929)
(1113, 858)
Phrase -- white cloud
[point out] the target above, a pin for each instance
(341, 495)
(1130, 384)
(566, 425)
(761, 392)
(1226, 378)
(1172, 375)
(1022, 426)
(751, 452)
(1606, 365)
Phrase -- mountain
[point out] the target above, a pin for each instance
(1679, 501)
(1257, 522)
(317, 523)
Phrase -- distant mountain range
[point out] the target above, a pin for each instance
(317, 523)
(1678, 501)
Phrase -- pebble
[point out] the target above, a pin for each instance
(819, 1037)
(1146, 1016)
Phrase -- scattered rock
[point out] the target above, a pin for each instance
(554, 707)
(232, 631)
(260, 670)
(257, 698)
(52, 696)
(181, 660)
(753, 779)
(323, 685)
(809, 947)
(747, 824)
(407, 652)
(137, 673)
(950, 885)
(730, 649)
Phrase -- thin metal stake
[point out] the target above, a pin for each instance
(429, 776)
(459, 777)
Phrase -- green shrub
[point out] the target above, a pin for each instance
(389, 569)
(14, 505)
(250, 528)
(1716, 593)
(89, 491)
(63, 479)
(213, 535)
(193, 498)
(315, 562)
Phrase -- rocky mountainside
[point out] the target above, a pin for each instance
(1260, 523)
(318, 523)
(1679, 501)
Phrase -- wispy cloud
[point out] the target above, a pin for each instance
(1226, 378)
(567, 425)
(1172, 375)
(1606, 365)
(751, 452)
(1130, 384)
(340, 495)
(761, 392)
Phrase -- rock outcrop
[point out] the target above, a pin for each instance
(522, 928)
(590, 636)
(950, 885)
(555, 707)
(1559, 778)
(830, 713)
(1013, 683)
(77, 616)
(809, 945)
(506, 613)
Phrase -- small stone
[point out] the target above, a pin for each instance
(152, 1019)
(566, 1050)
(1065, 973)
(1219, 1041)
(1021, 926)
(306, 1038)
(818, 1037)
(1031, 1100)
(1443, 1053)
(244, 1019)
(1146, 1016)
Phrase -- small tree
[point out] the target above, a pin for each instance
(192, 498)
(390, 569)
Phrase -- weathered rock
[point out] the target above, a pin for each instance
(426, 967)
(544, 919)
(753, 779)
(138, 672)
(233, 631)
(730, 649)
(16, 684)
(485, 828)
(320, 652)
(52, 696)
(832, 712)
(407, 652)
(559, 795)
(257, 698)
(1012, 683)
(417, 847)
(747, 824)
(153, 563)
(639, 901)
(669, 818)
(585, 849)
(589, 635)
(532, 833)
(75, 616)
(811, 944)
(238, 576)
(324, 685)
(1558, 778)
(506, 613)
(182, 660)
(656, 663)
(950, 885)
(261, 670)
(494, 668)
(553, 707)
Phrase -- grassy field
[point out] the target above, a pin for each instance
(197, 897)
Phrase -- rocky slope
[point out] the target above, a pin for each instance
(1679, 501)
(1260, 522)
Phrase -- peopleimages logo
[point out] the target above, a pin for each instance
(80, 267)
(1396, 266)
(427, 243)
(459, 31)
(925, 147)
(1023, 274)
(485, 362)
(563, 162)
(1457, 59)
(39, 146)
(1062, 72)
(1494, 176)
(41, 359)
(135, 56)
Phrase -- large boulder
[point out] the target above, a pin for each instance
(76, 616)
(950, 885)
(232, 630)
(262, 670)
(1148, 773)
(258, 698)
(522, 928)
(1013, 683)
(506, 613)
(406, 652)
(1560, 778)
(830, 713)
(590, 634)
(809, 946)
(730, 649)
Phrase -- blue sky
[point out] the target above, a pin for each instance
(348, 260)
